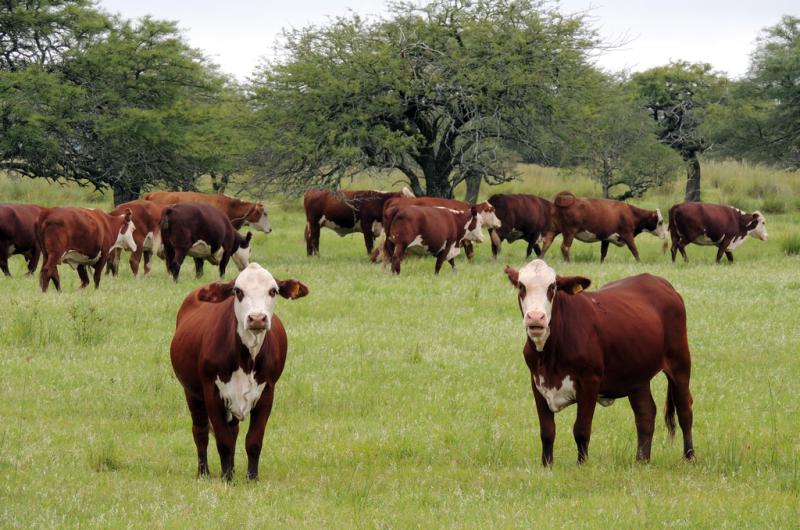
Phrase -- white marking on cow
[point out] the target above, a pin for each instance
(340, 230)
(606, 402)
(760, 231)
(735, 242)
(476, 234)
(11, 249)
(201, 249)
(125, 239)
(558, 397)
(377, 228)
(417, 247)
(240, 394)
(73, 258)
(454, 251)
(489, 218)
(241, 257)
(661, 231)
(586, 237)
(408, 193)
(262, 224)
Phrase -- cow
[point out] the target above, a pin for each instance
(146, 217)
(17, 235)
(522, 216)
(604, 220)
(725, 227)
(203, 233)
(80, 237)
(594, 347)
(345, 212)
(239, 212)
(228, 352)
(437, 230)
(485, 211)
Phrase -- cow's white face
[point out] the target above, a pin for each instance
(254, 293)
(475, 233)
(661, 229)
(262, 224)
(760, 230)
(537, 289)
(125, 237)
(489, 218)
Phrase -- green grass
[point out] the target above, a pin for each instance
(405, 401)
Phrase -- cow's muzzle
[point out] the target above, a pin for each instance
(257, 322)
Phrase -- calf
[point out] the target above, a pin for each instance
(438, 230)
(590, 347)
(525, 217)
(345, 212)
(203, 233)
(80, 237)
(239, 212)
(604, 220)
(725, 227)
(17, 234)
(146, 217)
(228, 352)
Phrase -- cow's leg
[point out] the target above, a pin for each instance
(388, 250)
(547, 240)
(312, 237)
(397, 257)
(644, 412)
(603, 250)
(469, 250)
(674, 249)
(83, 275)
(147, 257)
(729, 255)
(255, 434)
(98, 271)
(631, 242)
(49, 272)
(174, 260)
(369, 239)
(679, 399)
(136, 258)
(547, 426)
(452, 262)
(531, 245)
(223, 264)
(582, 430)
(33, 260)
(4, 260)
(441, 257)
(224, 432)
(566, 244)
(198, 268)
(113, 262)
(199, 431)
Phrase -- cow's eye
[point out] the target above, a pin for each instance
(273, 292)
(238, 293)
(551, 291)
(521, 289)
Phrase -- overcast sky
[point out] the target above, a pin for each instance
(719, 32)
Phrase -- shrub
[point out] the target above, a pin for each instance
(773, 205)
(791, 244)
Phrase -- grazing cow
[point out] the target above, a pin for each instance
(595, 347)
(485, 211)
(604, 220)
(346, 212)
(80, 237)
(203, 233)
(228, 352)
(725, 227)
(146, 216)
(525, 217)
(17, 234)
(238, 211)
(438, 230)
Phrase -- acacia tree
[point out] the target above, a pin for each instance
(435, 92)
(677, 97)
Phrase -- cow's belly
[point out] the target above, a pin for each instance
(202, 250)
(588, 237)
(703, 239)
(341, 230)
(151, 242)
(417, 247)
(240, 394)
(73, 258)
(513, 235)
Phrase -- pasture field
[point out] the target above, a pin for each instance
(405, 401)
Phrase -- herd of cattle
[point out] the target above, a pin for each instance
(229, 348)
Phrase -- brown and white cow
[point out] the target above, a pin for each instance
(522, 216)
(604, 220)
(17, 234)
(238, 211)
(228, 352)
(201, 232)
(80, 237)
(594, 347)
(485, 211)
(723, 226)
(346, 212)
(439, 231)
(146, 217)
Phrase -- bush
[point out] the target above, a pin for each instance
(773, 205)
(791, 244)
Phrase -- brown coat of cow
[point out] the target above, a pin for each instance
(17, 234)
(723, 226)
(81, 237)
(146, 216)
(239, 212)
(345, 212)
(522, 216)
(603, 345)
(224, 379)
(604, 220)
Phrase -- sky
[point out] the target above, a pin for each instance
(240, 35)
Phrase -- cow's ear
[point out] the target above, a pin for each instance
(216, 292)
(513, 275)
(754, 221)
(292, 289)
(572, 284)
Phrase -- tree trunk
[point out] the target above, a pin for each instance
(473, 181)
(692, 180)
(125, 194)
(219, 182)
(605, 180)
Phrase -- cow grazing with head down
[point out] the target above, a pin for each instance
(17, 234)
(589, 347)
(80, 237)
(146, 217)
(604, 220)
(239, 212)
(521, 216)
(440, 231)
(723, 226)
(346, 212)
(228, 352)
(201, 232)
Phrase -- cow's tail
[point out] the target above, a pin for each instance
(165, 221)
(669, 410)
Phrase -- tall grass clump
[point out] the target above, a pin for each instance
(790, 244)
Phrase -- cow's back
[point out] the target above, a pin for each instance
(526, 213)
(184, 224)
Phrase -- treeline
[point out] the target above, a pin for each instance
(447, 93)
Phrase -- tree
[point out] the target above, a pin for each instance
(435, 92)
(677, 97)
